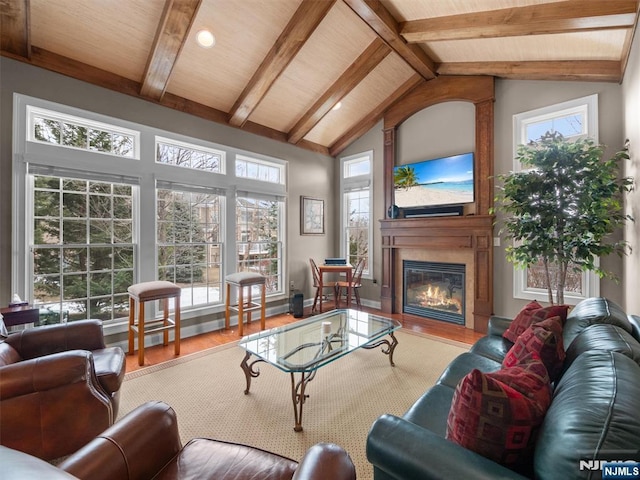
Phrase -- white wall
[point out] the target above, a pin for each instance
(631, 96)
(441, 130)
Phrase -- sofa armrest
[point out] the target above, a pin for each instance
(136, 447)
(47, 373)
(323, 461)
(403, 450)
(498, 325)
(40, 341)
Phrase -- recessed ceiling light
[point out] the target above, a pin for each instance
(205, 38)
(337, 106)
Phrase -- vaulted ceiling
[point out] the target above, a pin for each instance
(278, 67)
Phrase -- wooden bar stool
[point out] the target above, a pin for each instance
(146, 292)
(241, 280)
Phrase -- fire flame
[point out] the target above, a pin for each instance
(432, 296)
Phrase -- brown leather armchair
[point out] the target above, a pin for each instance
(145, 444)
(59, 387)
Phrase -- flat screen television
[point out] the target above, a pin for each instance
(436, 182)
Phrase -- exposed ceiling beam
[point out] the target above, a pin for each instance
(357, 71)
(174, 26)
(15, 35)
(302, 24)
(374, 14)
(86, 73)
(626, 49)
(373, 117)
(545, 18)
(583, 70)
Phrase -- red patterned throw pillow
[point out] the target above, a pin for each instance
(544, 339)
(531, 313)
(498, 414)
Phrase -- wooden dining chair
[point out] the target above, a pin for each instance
(332, 286)
(356, 283)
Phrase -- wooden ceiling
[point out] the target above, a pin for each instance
(278, 67)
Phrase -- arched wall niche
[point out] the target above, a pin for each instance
(463, 233)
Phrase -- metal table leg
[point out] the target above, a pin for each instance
(249, 371)
(390, 346)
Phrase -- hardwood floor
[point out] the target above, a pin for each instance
(157, 354)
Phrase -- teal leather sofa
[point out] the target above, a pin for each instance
(594, 413)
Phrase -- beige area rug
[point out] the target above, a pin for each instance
(206, 391)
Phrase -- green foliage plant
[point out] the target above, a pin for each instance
(563, 207)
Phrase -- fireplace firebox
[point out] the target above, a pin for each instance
(434, 290)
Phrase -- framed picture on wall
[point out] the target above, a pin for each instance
(311, 216)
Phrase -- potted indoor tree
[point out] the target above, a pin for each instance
(563, 207)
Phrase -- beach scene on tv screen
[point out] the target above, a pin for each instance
(443, 181)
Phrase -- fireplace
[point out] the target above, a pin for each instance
(434, 290)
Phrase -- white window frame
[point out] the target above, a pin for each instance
(144, 171)
(102, 125)
(270, 163)
(347, 184)
(191, 146)
(281, 274)
(588, 108)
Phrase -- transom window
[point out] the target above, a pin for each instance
(73, 132)
(258, 170)
(573, 119)
(183, 155)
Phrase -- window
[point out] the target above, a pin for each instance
(82, 248)
(183, 155)
(258, 170)
(189, 244)
(73, 132)
(109, 203)
(259, 239)
(356, 209)
(573, 119)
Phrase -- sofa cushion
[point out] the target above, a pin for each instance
(522, 322)
(594, 310)
(463, 364)
(17, 465)
(205, 459)
(603, 337)
(543, 338)
(497, 414)
(593, 416)
(634, 320)
(431, 410)
(492, 346)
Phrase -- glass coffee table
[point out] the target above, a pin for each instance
(301, 348)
